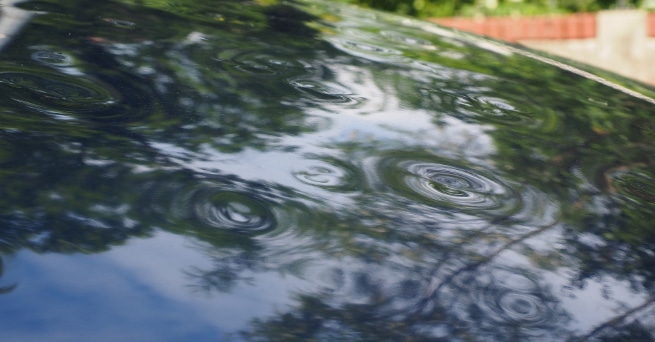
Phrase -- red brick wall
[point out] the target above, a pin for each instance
(582, 25)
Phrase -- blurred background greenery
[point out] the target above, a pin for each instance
(447, 8)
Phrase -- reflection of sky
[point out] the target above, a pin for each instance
(589, 308)
(140, 292)
(597, 302)
(379, 120)
(136, 292)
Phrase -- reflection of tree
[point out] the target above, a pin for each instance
(471, 308)
(226, 273)
(588, 145)
(543, 140)
(384, 282)
(595, 158)
(65, 183)
(70, 206)
(390, 262)
(7, 288)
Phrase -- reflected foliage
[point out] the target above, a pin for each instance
(417, 184)
(449, 8)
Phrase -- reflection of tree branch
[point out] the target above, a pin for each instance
(514, 242)
(5, 289)
(227, 272)
(613, 321)
(488, 258)
(222, 279)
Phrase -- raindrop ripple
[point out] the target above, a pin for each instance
(485, 301)
(52, 58)
(638, 186)
(77, 97)
(448, 186)
(230, 210)
(328, 173)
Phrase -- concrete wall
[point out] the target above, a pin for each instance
(622, 45)
(622, 41)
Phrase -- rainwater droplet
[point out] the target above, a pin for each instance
(124, 24)
(399, 38)
(323, 92)
(598, 102)
(273, 62)
(52, 58)
(369, 51)
(494, 110)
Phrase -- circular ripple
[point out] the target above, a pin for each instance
(406, 40)
(636, 186)
(507, 296)
(322, 92)
(263, 64)
(506, 279)
(255, 62)
(120, 23)
(206, 207)
(448, 186)
(485, 300)
(494, 110)
(368, 51)
(258, 66)
(221, 206)
(55, 92)
(517, 308)
(69, 97)
(52, 58)
(328, 173)
(232, 211)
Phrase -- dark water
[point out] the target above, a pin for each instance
(223, 170)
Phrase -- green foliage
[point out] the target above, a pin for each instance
(440, 8)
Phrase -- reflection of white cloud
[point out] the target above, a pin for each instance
(383, 118)
(82, 297)
(136, 292)
(379, 120)
(160, 264)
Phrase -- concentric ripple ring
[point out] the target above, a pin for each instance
(448, 186)
(231, 211)
(56, 92)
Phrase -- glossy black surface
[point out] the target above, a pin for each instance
(220, 170)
